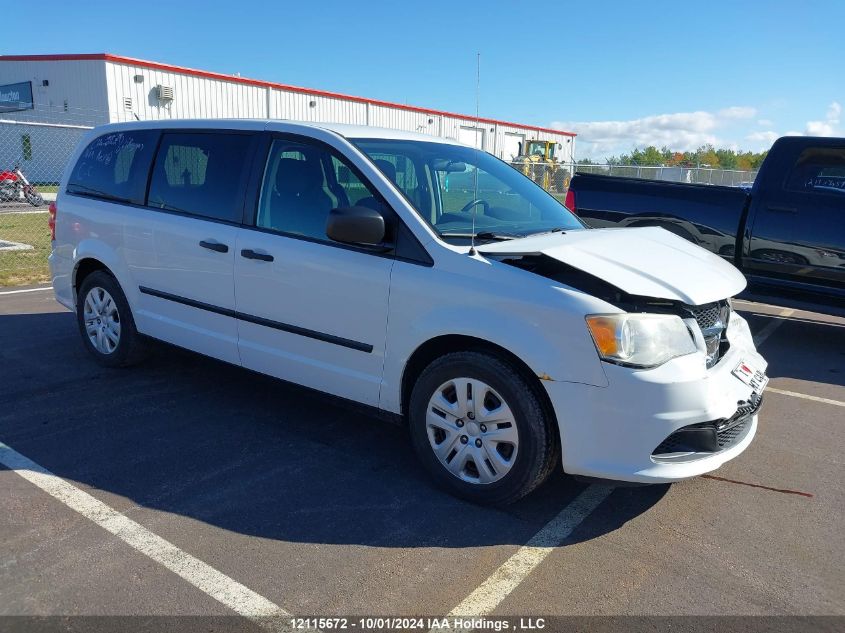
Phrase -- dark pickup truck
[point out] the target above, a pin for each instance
(786, 234)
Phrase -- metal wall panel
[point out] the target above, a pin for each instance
(193, 97)
(75, 94)
(297, 106)
(408, 120)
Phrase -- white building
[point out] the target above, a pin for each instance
(86, 90)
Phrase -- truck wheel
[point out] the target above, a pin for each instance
(105, 322)
(480, 429)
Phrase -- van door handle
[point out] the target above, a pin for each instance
(779, 209)
(214, 246)
(251, 254)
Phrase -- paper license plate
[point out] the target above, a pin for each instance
(751, 376)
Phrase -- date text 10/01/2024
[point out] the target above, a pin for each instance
(418, 623)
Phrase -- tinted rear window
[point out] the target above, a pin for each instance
(201, 174)
(115, 166)
(820, 170)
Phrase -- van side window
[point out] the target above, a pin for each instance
(201, 173)
(820, 170)
(409, 174)
(400, 170)
(302, 184)
(115, 166)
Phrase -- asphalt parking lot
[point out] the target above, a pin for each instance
(319, 510)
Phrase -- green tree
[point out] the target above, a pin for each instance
(706, 156)
(721, 158)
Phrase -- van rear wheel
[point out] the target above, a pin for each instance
(480, 429)
(105, 322)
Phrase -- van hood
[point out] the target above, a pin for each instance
(647, 261)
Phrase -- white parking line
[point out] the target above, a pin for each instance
(513, 571)
(795, 394)
(17, 292)
(216, 584)
(774, 324)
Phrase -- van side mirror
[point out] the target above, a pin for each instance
(356, 225)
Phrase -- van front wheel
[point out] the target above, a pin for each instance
(480, 429)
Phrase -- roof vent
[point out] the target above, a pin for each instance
(127, 104)
(164, 93)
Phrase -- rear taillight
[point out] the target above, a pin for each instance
(51, 221)
(570, 200)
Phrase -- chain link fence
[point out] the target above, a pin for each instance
(555, 177)
(32, 159)
(691, 175)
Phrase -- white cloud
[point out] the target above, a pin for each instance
(819, 128)
(738, 112)
(830, 125)
(680, 131)
(763, 138)
(683, 131)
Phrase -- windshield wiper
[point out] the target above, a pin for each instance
(557, 229)
(484, 235)
(491, 235)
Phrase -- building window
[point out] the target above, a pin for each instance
(26, 143)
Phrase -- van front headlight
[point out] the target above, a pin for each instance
(640, 340)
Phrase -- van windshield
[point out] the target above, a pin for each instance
(459, 190)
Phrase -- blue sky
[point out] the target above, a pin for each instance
(621, 74)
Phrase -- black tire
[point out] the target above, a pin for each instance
(131, 347)
(538, 449)
(561, 180)
(34, 198)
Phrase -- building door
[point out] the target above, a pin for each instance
(472, 136)
(513, 143)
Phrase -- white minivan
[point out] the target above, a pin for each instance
(424, 278)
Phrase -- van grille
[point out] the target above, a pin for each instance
(728, 437)
(708, 314)
(711, 437)
(713, 319)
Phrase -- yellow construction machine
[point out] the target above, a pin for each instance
(537, 161)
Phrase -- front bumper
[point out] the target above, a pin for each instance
(612, 432)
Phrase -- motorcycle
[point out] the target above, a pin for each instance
(15, 187)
